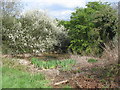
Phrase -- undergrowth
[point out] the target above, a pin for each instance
(107, 74)
(63, 64)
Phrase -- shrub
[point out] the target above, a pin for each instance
(34, 32)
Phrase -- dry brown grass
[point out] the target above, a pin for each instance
(110, 52)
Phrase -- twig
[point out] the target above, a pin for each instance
(61, 82)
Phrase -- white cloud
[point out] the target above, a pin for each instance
(65, 3)
(61, 14)
(69, 5)
(104, 0)
(64, 14)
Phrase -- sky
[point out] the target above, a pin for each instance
(60, 9)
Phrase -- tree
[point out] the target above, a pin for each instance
(90, 27)
(10, 12)
(11, 8)
(106, 23)
(83, 37)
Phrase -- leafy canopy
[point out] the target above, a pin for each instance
(90, 27)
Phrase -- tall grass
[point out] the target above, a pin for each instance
(110, 51)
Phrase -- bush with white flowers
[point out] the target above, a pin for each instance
(34, 32)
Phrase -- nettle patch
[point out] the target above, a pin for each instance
(64, 65)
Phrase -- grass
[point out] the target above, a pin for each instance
(66, 86)
(63, 64)
(92, 60)
(16, 76)
(0, 75)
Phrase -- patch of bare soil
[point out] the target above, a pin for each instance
(85, 82)
(81, 80)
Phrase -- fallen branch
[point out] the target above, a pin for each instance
(58, 83)
(78, 85)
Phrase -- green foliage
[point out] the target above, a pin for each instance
(106, 23)
(91, 27)
(92, 60)
(63, 64)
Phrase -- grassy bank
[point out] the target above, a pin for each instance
(16, 76)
